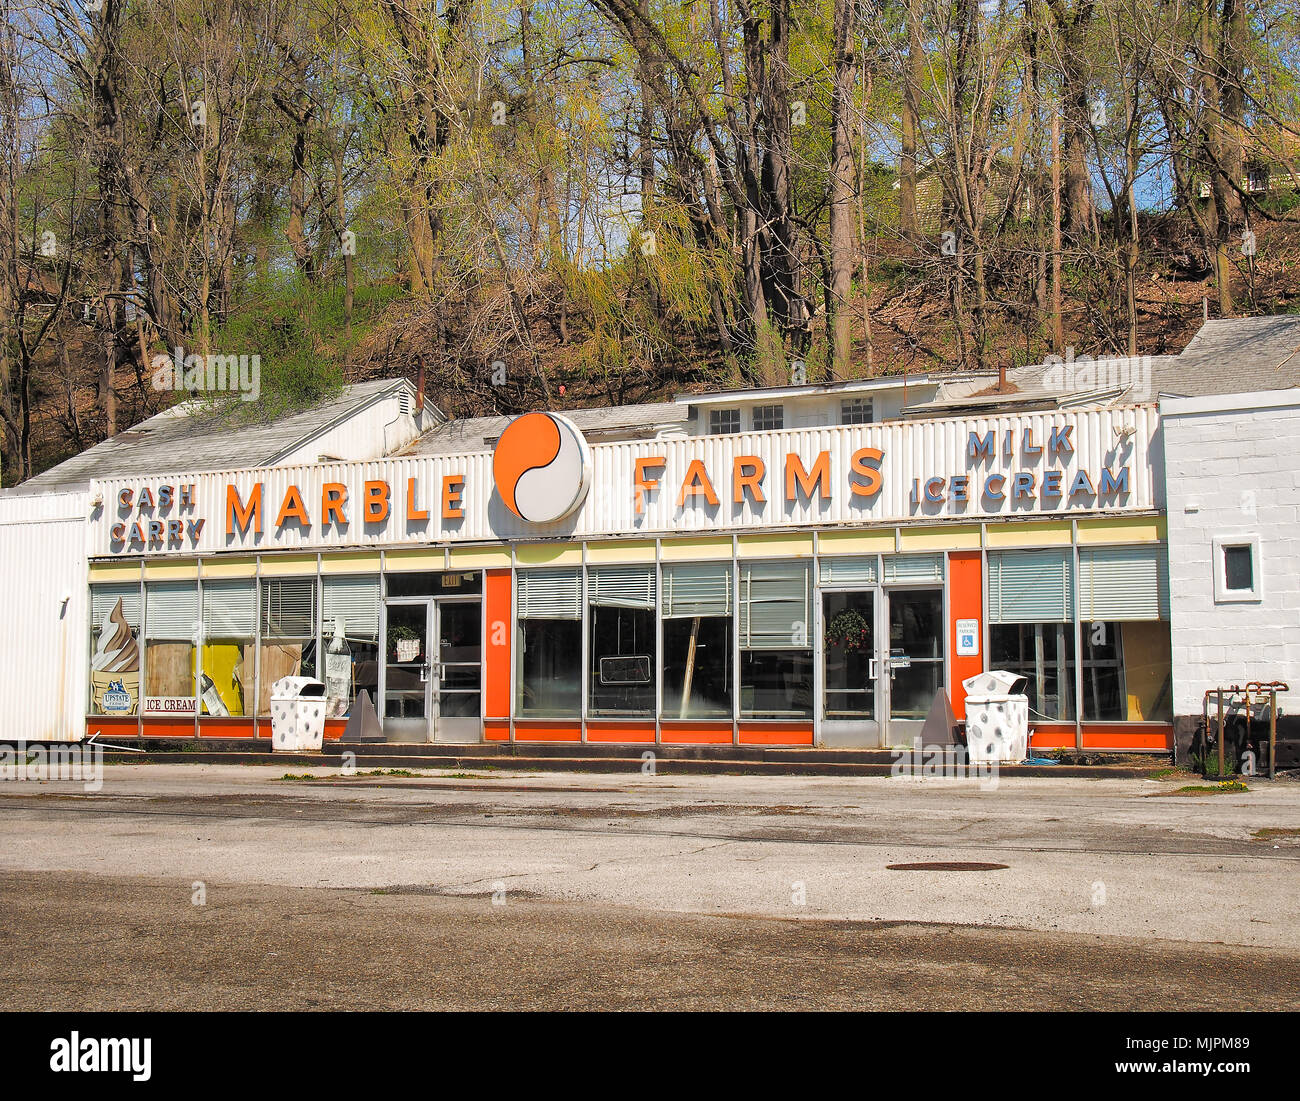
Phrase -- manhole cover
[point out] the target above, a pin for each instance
(947, 866)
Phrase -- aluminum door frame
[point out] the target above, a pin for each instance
(456, 729)
(430, 615)
(864, 733)
(900, 732)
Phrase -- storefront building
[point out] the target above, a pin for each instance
(782, 567)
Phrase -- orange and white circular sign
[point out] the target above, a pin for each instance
(542, 467)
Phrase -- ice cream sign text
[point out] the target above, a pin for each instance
(1020, 486)
(147, 518)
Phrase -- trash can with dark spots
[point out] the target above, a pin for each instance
(297, 714)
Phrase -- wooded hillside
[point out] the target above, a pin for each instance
(607, 200)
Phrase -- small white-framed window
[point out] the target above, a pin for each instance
(723, 421)
(769, 418)
(1237, 569)
(856, 411)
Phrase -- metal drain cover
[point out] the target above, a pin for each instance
(946, 866)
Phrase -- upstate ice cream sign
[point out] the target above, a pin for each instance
(115, 666)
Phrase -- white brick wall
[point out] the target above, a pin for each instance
(1241, 468)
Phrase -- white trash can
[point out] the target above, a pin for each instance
(997, 717)
(297, 714)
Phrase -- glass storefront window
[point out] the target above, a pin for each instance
(350, 634)
(776, 666)
(1042, 653)
(697, 667)
(171, 631)
(451, 583)
(1127, 671)
(849, 645)
(229, 647)
(622, 640)
(115, 649)
(549, 635)
(288, 633)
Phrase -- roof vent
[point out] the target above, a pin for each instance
(405, 405)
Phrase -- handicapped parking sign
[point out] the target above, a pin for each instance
(968, 637)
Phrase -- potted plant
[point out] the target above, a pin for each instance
(849, 630)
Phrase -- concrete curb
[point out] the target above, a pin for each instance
(609, 764)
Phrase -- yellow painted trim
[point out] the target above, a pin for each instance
(229, 567)
(115, 571)
(411, 560)
(549, 554)
(640, 551)
(856, 542)
(775, 546)
(171, 571)
(956, 537)
(1123, 529)
(1050, 534)
(288, 565)
(467, 558)
(360, 562)
(695, 550)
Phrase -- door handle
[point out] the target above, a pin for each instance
(873, 673)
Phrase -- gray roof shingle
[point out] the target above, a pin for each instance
(1236, 355)
(191, 437)
(617, 421)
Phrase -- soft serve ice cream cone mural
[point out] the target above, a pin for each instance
(115, 668)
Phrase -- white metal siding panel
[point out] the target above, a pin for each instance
(914, 452)
(43, 642)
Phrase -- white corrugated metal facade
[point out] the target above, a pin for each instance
(1113, 439)
(43, 638)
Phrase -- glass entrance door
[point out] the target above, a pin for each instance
(849, 668)
(457, 688)
(914, 658)
(433, 670)
(408, 671)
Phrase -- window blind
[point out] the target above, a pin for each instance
(1123, 583)
(1031, 586)
(697, 590)
(549, 594)
(354, 601)
(230, 609)
(171, 610)
(913, 567)
(103, 598)
(774, 606)
(621, 586)
(289, 608)
(853, 570)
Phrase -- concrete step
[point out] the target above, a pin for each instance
(610, 764)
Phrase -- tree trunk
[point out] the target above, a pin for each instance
(839, 322)
(910, 121)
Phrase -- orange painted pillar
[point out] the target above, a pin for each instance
(965, 601)
(498, 624)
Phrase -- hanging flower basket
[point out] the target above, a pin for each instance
(850, 630)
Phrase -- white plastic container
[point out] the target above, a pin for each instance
(297, 714)
(997, 717)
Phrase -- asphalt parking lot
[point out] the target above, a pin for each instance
(231, 887)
